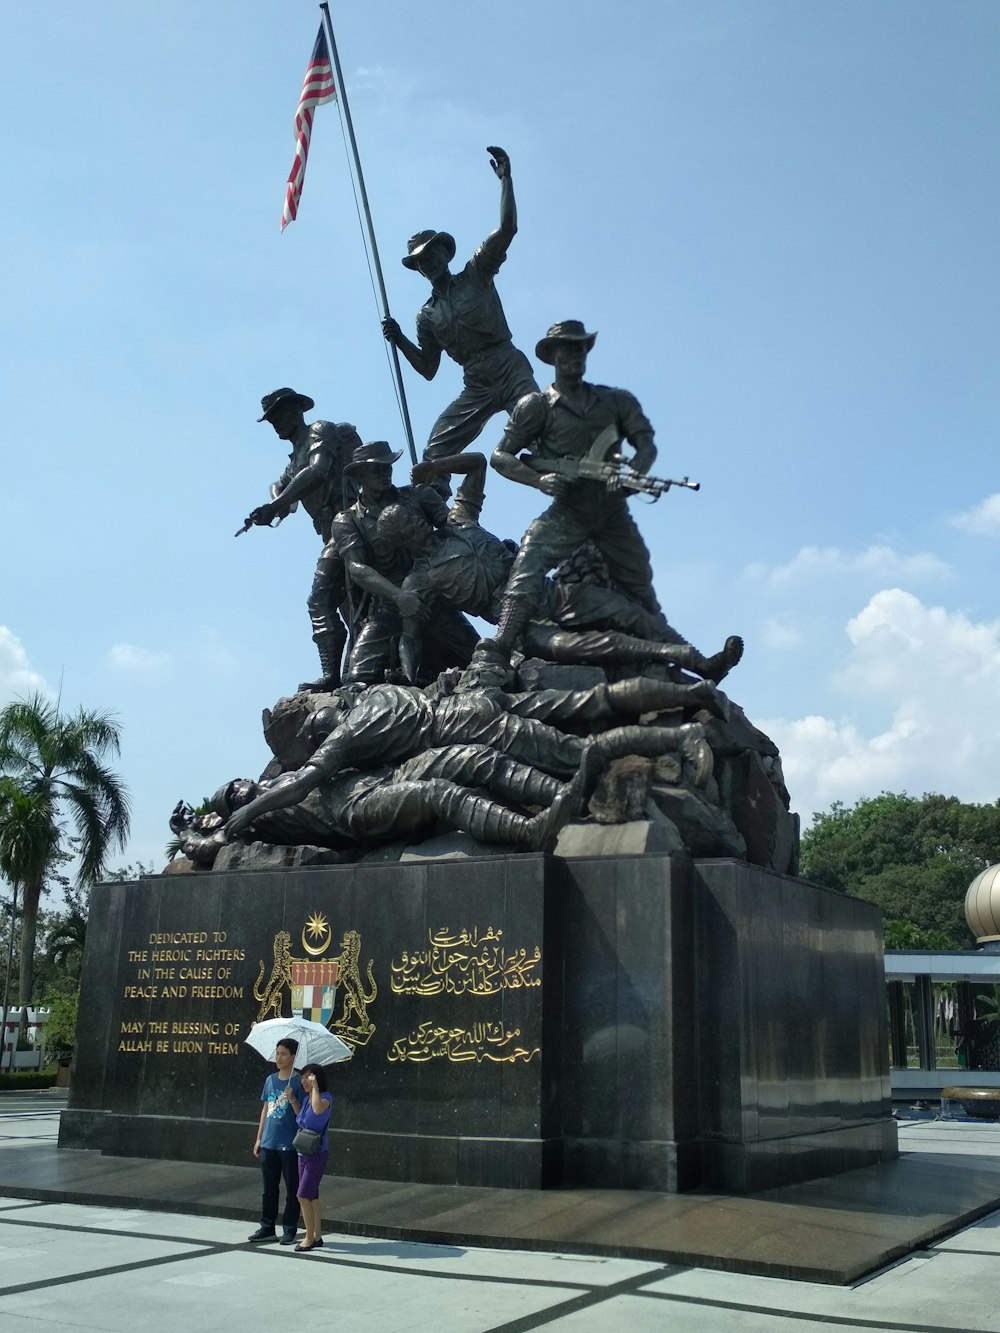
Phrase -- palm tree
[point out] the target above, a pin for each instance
(66, 939)
(58, 760)
(28, 840)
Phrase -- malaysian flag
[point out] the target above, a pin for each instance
(317, 87)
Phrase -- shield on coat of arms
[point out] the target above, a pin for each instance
(314, 988)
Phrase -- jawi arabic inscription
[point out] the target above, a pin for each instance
(465, 962)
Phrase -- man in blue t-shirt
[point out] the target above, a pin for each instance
(281, 1098)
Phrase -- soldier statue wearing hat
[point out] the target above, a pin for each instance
(376, 566)
(464, 318)
(314, 475)
(564, 422)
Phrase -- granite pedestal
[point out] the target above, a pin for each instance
(632, 1022)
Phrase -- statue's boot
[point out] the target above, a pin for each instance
(714, 668)
(514, 616)
(330, 644)
(652, 742)
(602, 646)
(545, 828)
(644, 695)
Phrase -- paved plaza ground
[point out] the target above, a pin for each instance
(73, 1265)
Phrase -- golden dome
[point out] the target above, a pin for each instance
(982, 905)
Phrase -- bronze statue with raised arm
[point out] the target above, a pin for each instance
(464, 318)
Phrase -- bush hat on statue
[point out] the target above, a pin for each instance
(377, 451)
(417, 244)
(566, 331)
(272, 400)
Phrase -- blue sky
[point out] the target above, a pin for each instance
(780, 217)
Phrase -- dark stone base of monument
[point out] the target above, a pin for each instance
(633, 1022)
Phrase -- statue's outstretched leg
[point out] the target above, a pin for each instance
(545, 828)
(481, 766)
(714, 668)
(481, 818)
(644, 695)
(612, 647)
(487, 821)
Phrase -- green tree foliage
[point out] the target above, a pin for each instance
(28, 840)
(60, 1031)
(900, 934)
(65, 940)
(57, 762)
(58, 967)
(914, 858)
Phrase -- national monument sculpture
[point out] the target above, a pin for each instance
(584, 664)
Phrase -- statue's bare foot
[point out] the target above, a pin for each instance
(719, 665)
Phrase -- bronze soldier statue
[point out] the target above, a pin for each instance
(562, 424)
(464, 318)
(375, 569)
(314, 476)
(463, 566)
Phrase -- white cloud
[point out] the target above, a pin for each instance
(18, 679)
(779, 633)
(138, 661)
(814, 563)
(982, 519)
(939, 675)
(904, 647)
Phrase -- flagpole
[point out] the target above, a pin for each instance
(342, 95)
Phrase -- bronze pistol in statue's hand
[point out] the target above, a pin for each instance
(261, 517)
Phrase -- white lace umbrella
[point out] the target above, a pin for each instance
(317, 1044)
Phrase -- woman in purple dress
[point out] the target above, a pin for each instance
(314, 1114)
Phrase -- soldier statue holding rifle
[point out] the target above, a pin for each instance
(559, 430)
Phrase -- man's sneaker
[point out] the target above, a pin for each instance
(262, 1234)
(287, 1238)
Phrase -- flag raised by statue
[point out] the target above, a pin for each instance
(317, 87)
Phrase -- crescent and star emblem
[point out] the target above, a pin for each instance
(318, 931)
